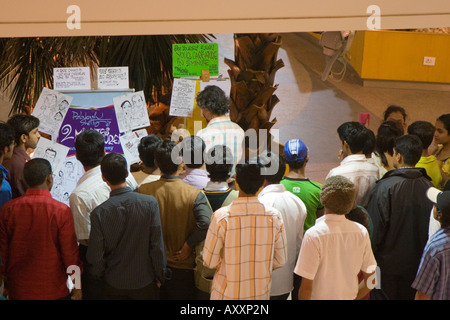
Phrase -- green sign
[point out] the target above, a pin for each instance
(189, 59)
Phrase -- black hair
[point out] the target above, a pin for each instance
(355, 134)
(370, 144)
(22, 124)
(280, 165)
(392, 109)
(6, 136)
(192, 151)
(214, 99)
(248, 176)
(445, 119)
(358, 214)
(410, 147)
(219, 163)
(387, 132)
(114, 168)
(424, 130)
(90, 147)
(296, 164)
(163, 157)
(36, 171)
(147, 148)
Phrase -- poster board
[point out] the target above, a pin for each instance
(91, 109)
(189, 59)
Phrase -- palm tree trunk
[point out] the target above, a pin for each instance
(252, 76)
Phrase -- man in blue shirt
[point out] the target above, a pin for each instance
(433, 276)
(6, 150)
(126, 247)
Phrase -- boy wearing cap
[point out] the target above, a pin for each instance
(296, 156)
(335, 249)
(433, 276)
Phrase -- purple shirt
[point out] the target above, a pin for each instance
(197, 178)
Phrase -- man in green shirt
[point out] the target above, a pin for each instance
(296, 156)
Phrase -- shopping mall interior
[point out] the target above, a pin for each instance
(311, 109)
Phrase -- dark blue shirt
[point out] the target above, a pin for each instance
(126, 247)
(5, 191)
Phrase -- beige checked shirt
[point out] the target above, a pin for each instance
(246, 241)
(222, 131)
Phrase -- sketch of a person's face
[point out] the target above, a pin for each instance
(50, 101)
(58, 116)
(126, 107)
(66, 196)
(63, 105)
(50, 155)
(137, 101)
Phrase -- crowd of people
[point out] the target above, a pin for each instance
(202, 220)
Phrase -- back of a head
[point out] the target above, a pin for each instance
(114, 168)
(219, 163)
(410, 147)
(22, 124)
(424, 130)
(355, 134)
(249, 176)
(192, 150)
(90, 147)
(441, 199)
(370, 144)
(358, 214)
(338, 195)
(387, 132)
(295, 153)
(214, 99)
(6, 136)
(147, 148)
(168, 157)
(274, 161)
(36, 171)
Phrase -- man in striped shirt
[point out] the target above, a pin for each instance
(245, 242)
(126, 247)
(215, 106)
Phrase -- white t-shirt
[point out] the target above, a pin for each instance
(90, 191)
(333, 253)
(293, 211)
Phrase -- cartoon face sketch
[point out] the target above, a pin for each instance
(58, 116)
(50, 100)
(50, 155)
(126, 108)
(63, 105)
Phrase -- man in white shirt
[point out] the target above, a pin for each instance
(215, 107)
(354, 165)
(293, 211)
(90, 191)
(336, 249)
